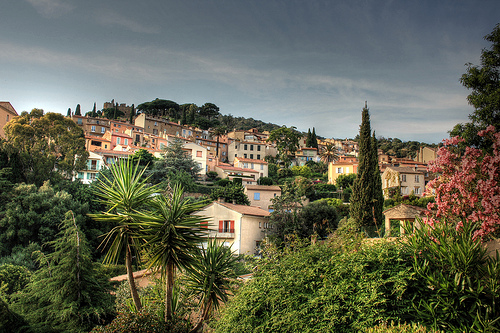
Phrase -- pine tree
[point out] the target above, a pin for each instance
(66, 293)
(366, 186)
(78, 112)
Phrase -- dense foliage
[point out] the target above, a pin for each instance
(323, 288)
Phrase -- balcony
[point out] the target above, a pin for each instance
(225, 233)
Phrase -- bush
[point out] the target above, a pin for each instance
(142, 322)
(400, 328)
(13, 279)
(323, 288)
(460, 283)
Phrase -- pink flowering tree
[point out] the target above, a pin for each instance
(468, 186)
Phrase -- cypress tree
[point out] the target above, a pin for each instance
(314, 139)
(378, 195)
(78, 112)
(132, 114)
(94, 113)
(309, 138)
(69, 113)
(363, 189)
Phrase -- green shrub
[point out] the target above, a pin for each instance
(400, 328)
(142, 322)
(460, 288)
(323, 288)
(13, 279)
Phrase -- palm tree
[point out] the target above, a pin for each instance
(329, 153)
(212, 278)
(218, 131)
(125, 192)
(172, 234)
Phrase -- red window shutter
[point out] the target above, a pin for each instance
(221, 226)
(231, 226)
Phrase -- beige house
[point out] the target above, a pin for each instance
(95, 162)
(426, 154)
(407, 179)
(7, 112)
(239, 226)
(261, 195)
(250, 149)
(260, 166)
(248, 176)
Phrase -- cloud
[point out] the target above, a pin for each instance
(112, 18)
(51, 8)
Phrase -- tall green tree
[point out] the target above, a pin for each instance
(132, 114)
(172, 234)
(287, 142)
(68, 114)
(173, 160)
(125, 193)
(45, 145)
(484, 83)
(363, 190)
(218, 132)
(314, 139)
(78, 111)
(66, 293)
(378, 195)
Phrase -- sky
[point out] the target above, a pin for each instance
(302, 63)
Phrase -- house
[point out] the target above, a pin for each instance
(426, 154)
(248, 176)
(306, 154)
(92, 126)
(345, 165)
(261, 195)
(258, 165)
(198, 154)
(95, 163)
(7, 112)
(93, 143)
(250, 149)
(239, 226)
(404, 179)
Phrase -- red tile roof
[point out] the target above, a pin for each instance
(245, 210)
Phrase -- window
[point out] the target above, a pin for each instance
(92, 128)
(262, 166)
(417, 178)
(245, 147)
(199, 153)
(79, 122)
(137, 138)
(417, 190)
(251, 156)
(251, 164)
(258, 157)
(251, 147)
(403, 178)
(118, 140)
(156, 123)
(245, 155)
(404, 190)
(226, 226)
(80, 175)
(103, 130)
(96, 143)
(155, 131)
(125, 141)
(256, 196)
(105, 146)
(340, 170)
(258, 148)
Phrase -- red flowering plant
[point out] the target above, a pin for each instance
(468, 185)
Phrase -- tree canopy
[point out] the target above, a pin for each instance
(45, 145)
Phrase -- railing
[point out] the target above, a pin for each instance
(226, 231)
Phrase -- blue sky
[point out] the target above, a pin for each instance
(306, 63)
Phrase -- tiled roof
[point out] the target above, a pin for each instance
(263, 187)
(245, 210)
(232, 168)
(251, 160)
(405, 170)
(7, 106)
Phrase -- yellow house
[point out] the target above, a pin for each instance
(239, 226)
(7, 112)
(343, 166)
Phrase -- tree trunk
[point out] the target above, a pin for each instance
(131, 281)
(169, 290)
